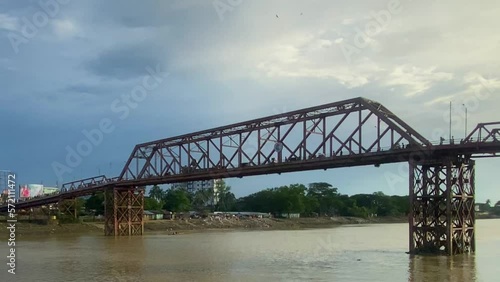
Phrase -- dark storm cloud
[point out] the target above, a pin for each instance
(126, 62)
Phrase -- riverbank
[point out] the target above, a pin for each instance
(259, 223)
(196, 225)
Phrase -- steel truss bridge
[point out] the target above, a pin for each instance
(355, 132)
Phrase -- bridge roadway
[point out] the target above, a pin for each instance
(89, 186)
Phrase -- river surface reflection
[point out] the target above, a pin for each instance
(347, 253)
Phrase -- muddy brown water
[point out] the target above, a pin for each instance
(345, 253)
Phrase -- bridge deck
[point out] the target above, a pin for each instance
(375, 158)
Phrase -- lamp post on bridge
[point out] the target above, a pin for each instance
(450, 122)
(465, 107)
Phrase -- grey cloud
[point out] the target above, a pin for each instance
(96, 90)
(401, 44)
(125, 63)
(154, 13)
(15, 6)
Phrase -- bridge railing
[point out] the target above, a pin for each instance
(453, 141)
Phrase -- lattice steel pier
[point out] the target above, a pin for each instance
(68, 208)
(442, 215)
(124, 209)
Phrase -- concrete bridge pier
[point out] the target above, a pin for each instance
(442, 215)
(123, 211)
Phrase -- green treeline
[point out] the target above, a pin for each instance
(316, 199)
(322, 199)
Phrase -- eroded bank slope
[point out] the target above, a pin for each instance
(194, 225)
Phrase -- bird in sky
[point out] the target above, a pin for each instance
(277, 17)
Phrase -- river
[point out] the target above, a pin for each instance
(346, 253)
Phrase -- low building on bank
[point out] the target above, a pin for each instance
(148, 215)
(153, 215)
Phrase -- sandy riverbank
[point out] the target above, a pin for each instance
(194, 225)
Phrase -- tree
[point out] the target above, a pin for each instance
(225, 200)
(262, 201)
(401, 204)
(326, 197)
(496, 209)
(177, 201)
(220, 188)
(156, 193)
(95, 203)
(202, 198)
(322, 198)
(290, 199)
(152, 204)
(311, 206)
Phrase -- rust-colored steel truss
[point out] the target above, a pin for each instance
(442, 215)
(68, 208)
(485, 132)
(124, 211)
(85, 183)
(349, 128)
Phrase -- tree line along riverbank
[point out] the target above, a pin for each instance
(316, 199)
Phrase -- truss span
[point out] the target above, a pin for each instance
(354, 127)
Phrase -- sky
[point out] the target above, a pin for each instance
(68, 68)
